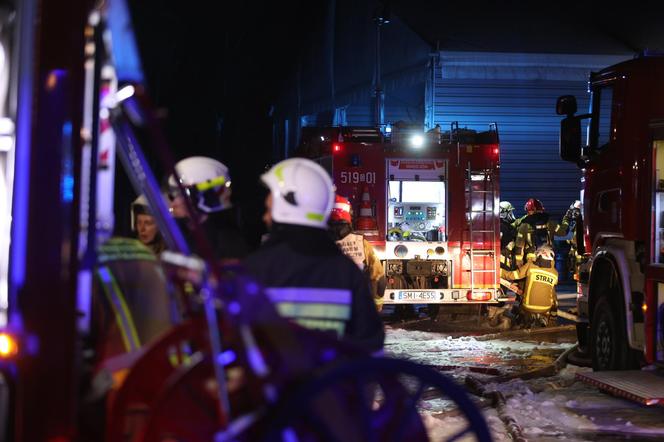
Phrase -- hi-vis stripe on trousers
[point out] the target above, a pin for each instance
(316, 308)
(123, 317)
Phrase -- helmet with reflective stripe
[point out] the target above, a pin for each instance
(545, 252)
(341, 210)
(302, 193)
(506, 211)
(206, 181)
(533, 205)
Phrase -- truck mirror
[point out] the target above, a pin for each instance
(566, 105)
(570, 139)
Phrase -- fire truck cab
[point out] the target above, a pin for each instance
(427, 202)
(621, 278)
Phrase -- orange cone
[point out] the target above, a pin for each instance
(366, 219)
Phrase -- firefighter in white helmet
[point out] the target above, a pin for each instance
(507, 235)
(207, 185)
(145, 227)
(539, 279)
(306, 275)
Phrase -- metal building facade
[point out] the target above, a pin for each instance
(518, 92)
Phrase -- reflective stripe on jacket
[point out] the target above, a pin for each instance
(305, 261)
(321, 309)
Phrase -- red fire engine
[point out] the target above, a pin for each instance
(428, 202)
(621, 301)
(230, 368)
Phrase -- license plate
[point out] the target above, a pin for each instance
(420, 296)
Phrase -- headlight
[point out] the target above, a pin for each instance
(400, 251)
(417, 141)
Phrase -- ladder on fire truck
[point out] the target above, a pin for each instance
(481, 205)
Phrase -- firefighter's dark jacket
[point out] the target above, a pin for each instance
(223, 234)
(313, 283)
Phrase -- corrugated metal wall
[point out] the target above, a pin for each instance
(528, 127)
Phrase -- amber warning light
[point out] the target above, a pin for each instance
(8, 346)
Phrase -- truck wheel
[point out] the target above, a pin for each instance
(582, 336)
(609, 349)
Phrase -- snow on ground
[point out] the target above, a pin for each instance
(547, 409)
(441, 350)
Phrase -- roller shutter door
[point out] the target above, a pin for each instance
(528, 128)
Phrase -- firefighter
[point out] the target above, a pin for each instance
(507, 235)
(306, 275)
(539, 278)
(131, 304)
(575, 256)
(207, 184)
(144, 226)
(535, 230)
(357, 248)
(130, 308)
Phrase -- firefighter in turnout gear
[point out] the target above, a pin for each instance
(507, 235)
(575, 256)
(539, 279)
(207, 185)
(357, 248)
(536, 229)
(130, 305)
(145, 227)
(306, 275)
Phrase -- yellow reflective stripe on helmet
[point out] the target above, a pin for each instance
(279, 173)
(315, 216)
(209, 184)
(121, 312)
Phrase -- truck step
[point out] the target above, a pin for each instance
(644, 387)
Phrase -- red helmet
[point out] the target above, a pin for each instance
(533, 205)
(340, 210)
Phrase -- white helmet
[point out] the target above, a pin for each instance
(140, 206)
(506, 211)
(545, 252)
(302, 193)
(206, 181)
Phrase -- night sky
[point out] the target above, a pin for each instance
(214, 72)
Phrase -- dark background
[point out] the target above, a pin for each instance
(213, 70)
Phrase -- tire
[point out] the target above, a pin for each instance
(582, 337)
(609, 349)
